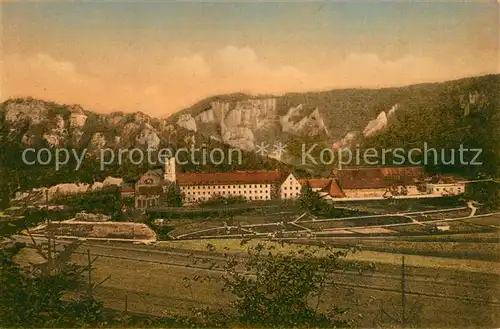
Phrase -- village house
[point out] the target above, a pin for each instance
(127, 191)
(326, 187)
(445, 185)
(367, 182)
(149, 189)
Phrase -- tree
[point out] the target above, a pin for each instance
(283, 285)
(485, 192)
(313, 201)
(173, 195)
(32, 296)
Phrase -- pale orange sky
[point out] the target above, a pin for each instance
(160, 57)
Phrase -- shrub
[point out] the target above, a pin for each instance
(282, 288)
(220, 200)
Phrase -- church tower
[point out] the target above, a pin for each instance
(169, 172)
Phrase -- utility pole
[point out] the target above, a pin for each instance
(49, 229)
(403, 293)
(90, 283)
(89, 292)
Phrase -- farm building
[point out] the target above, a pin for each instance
(324, 186)
(127, 191)
(379, 181)
(445, 185)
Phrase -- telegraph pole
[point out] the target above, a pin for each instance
(403, 293)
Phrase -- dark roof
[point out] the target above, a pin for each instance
(227, 178)
(377, 177)
(126, 187)
(154, 172)
(149, 190)
(444, 179)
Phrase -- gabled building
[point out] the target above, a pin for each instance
(252, 185)
(149, 189)
(198, 187)
(379, 181)
(327, 187)
(290, 187)
(127, 191)
(445, 185)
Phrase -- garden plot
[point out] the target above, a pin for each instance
(104, 230)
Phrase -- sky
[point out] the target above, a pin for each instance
(160, 57)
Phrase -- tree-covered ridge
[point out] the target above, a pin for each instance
(444, 115)
(463, 112)
(345, 110)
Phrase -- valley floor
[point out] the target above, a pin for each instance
(448, 292)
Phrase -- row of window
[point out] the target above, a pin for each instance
(209, 187)
(291, 195)
(224, 192)
(459, 189)
(202, 198)
(144, 203)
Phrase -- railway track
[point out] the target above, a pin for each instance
(423, 285)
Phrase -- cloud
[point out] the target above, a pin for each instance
(42, 76)
(175, 83)
(241, 68)
(236, 59)
(370, 70)
(188, 67)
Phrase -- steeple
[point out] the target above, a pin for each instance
(169, 171)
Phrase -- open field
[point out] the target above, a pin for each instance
(456, 220)
(152, 281)
(454, 249)
(390, 206)
(234, 245)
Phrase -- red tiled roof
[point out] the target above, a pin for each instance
(315, 182)
(235, 177)
(410, 172)
(333, 189)
(377, 177)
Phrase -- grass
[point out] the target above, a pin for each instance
(458, 237)
(159, 289)
(270, 215)
(390, 258)
(388, 206)
(453, 249)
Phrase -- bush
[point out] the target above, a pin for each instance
(220, 200)
(106, 202)
(276, 288)
(32, 296)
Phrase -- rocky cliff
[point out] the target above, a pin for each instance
(338, 118)
(36, 122)
(248, 122)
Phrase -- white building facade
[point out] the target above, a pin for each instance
(446, 188)
(251, 185)
(202, 192)
(290, 188)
